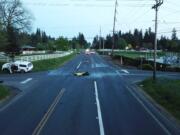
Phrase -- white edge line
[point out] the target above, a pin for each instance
(99, 110)
(149, 112)
(27, 80)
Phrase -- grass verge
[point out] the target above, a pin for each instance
(166, 92)
(43, 65)
(4, 92)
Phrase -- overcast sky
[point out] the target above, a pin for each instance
(69, 17)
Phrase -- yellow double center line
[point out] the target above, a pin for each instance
(45, 118)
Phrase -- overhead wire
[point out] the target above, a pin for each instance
(135, 13)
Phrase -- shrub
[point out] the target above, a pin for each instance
(173, 69)
(147, 67)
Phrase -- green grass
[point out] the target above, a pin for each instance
(1, 63)
(50, 64)
(166, 92)
(135, 55)
(4, 92)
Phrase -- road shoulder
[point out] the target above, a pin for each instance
(13, 93)
(159, 111)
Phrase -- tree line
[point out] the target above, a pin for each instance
(137, 39)
(15, 26)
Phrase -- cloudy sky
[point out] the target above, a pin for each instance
(69, 17)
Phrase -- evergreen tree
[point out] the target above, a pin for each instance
(108, 42)
(13, 47)
(82, 41)
(95, 42)
(174, 34)
(44, 37)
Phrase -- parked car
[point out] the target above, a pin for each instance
(18, 66)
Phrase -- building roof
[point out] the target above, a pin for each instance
(27, 47)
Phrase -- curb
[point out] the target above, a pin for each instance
(164, 112)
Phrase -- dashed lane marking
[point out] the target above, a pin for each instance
(79, 65)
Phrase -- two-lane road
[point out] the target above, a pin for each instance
(103, 103)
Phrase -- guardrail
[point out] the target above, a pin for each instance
(36, 57)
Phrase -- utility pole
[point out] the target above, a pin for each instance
(103, 46)
(100, 38)
(114, 25)
(156, 7)
(101, 42)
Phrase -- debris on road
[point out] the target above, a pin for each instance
(81, 74)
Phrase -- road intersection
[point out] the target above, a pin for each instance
(105, 102)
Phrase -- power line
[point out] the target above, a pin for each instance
(172, 3)
(169, 23)
(77, 3)
(167, 32)
(134, 10)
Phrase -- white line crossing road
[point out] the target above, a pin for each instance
(125, 71)
(26, 81)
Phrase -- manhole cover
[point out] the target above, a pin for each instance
(81, 74)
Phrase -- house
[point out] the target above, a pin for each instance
(28, 48)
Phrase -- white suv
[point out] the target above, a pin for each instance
(18, 66)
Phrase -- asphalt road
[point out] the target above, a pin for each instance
(104, 103)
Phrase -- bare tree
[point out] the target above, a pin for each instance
(14, 18)
(13, 14)
(3, 39)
